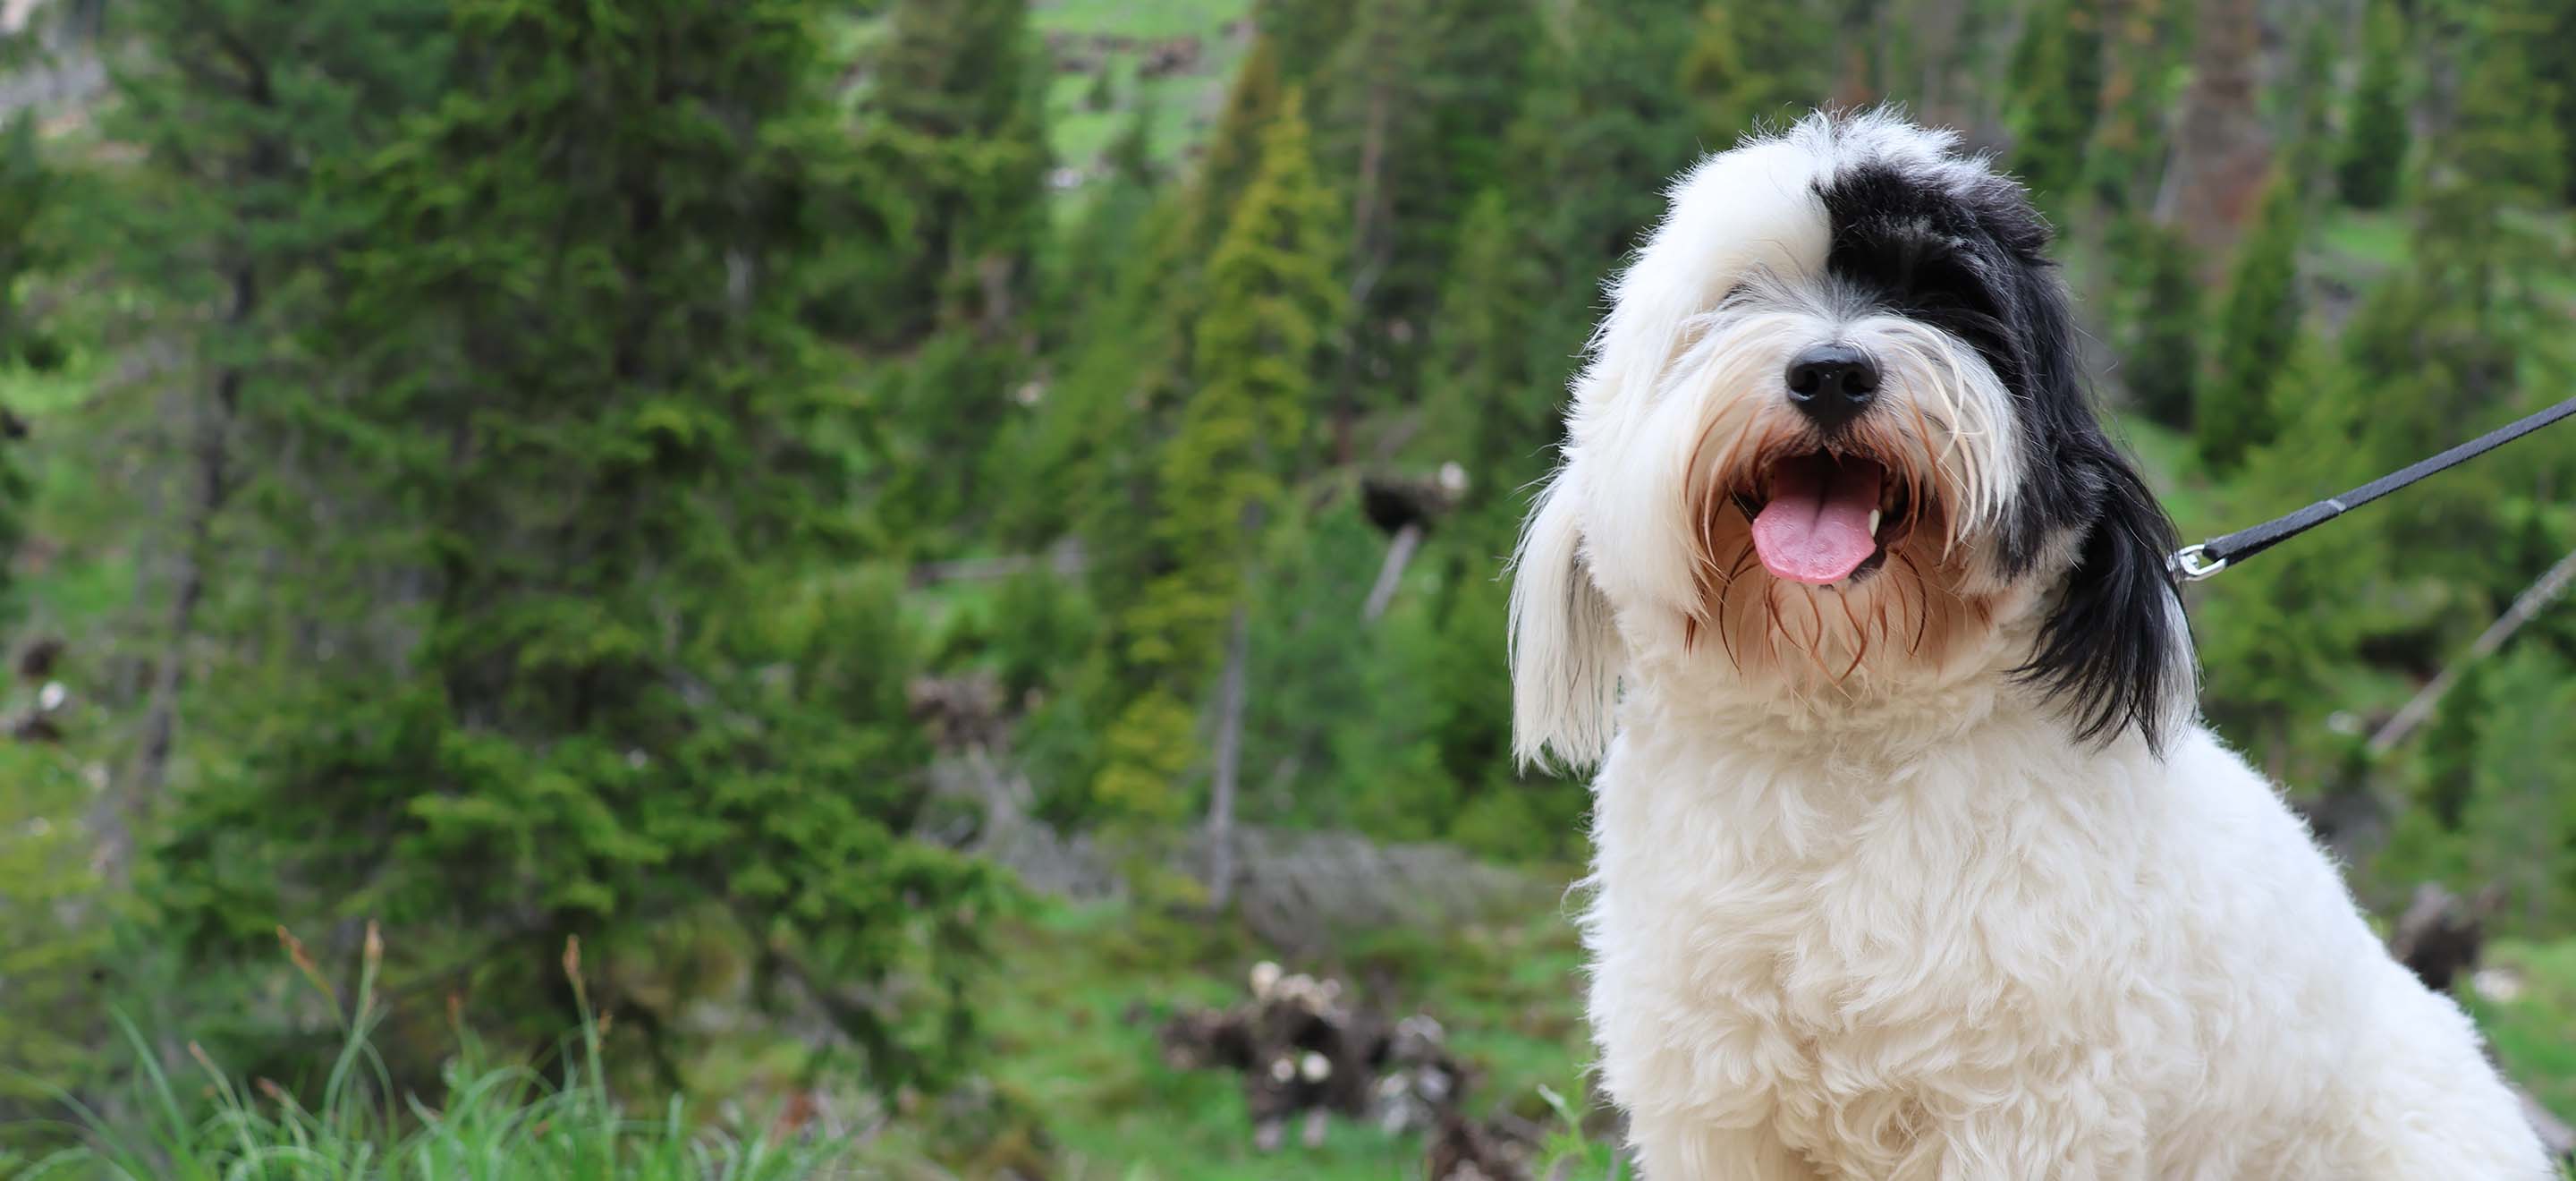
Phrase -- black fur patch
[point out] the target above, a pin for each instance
(1963, 251)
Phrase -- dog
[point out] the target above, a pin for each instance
(1912, 859)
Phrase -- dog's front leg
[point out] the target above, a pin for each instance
(1683, 1148)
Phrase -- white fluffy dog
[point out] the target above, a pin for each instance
(1913, 860)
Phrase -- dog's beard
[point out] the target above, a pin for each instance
(1862, 560)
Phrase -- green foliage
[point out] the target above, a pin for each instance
(2055, 96)
(48, 947)
(501, 1122)
(2125, 162)
(30, 192)
(2504, 135)
(2308, 115)
(2519, 813)
(2158, 310)
(954, 157)
(2258, 325)
(2278, 638)
(594, 431)
(1752, 64)
(1271, 302)
(948, 177)
(2376, 135)
(615, 452)
(1304, 32)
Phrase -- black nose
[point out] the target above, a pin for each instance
(1832, 383)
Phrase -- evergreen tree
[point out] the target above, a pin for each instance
(29, 188)
(2375, 130)
(955, 122)
(2520, 818)
(2307, 117)
(2157, 311)
(1272, 301)
(1751, 64)
(2055, 97)
(2125, 162)
(2257, 328)
(636, 683)
(2553, 54)
(51, 936)
(218, 243)
(1411, 128)
(2504, 136)
(952, 164)
(2448, 760)
(2287, 634)
(1606, 131)
(1252, 103)
(1304, 32)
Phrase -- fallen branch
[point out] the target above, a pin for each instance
(2526, 605)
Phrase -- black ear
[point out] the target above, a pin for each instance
(2117, 649)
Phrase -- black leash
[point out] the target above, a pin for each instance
(2196, 562)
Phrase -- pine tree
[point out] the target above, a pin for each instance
(2125, 162)
(952, 159)
(50, 939)
(957, 118)
(1304, 32)
(1754, 63)
(2376, 135)
(2308, 111)
(2553, 61)
(2448, 757)
(2289, 633)
(2055, 97)
(636, 681)
(2257, 328)
(2158, 317)
(2520, 817)
(2504, 136)
(218, 243)
(1271, 301)
(29, 190)
(1410, 124)
(1606, 130)
(1252, 103)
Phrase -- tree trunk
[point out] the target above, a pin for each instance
(2221, 156)
(117, 815)
(1229, 761)
(1399, 554)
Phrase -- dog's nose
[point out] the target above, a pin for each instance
(1832, 383)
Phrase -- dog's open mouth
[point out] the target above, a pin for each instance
(1821, 518)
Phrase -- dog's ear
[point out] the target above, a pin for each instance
(1564, 645)
(2117, 648)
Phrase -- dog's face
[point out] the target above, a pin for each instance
(1831, 437)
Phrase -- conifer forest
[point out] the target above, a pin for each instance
(914, 588)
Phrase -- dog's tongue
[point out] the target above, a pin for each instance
(1816, 528)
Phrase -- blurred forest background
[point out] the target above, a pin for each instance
(933, 535)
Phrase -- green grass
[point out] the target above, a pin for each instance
(1164, 18)
(2535, 1034)
(1509, 997)
(1065, 1049)
(499, 1123)
(1183, 104)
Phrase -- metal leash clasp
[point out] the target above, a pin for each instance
(2189, 562)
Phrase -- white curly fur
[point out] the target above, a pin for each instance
(1900, 923)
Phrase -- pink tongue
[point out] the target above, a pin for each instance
(1816, 528)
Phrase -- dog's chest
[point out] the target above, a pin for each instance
(1848, 950)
